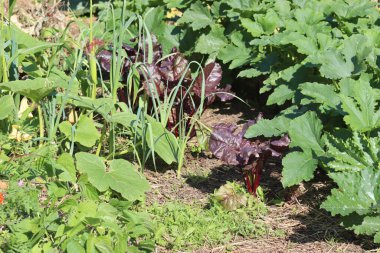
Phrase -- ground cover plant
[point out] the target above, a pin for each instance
(232, 212)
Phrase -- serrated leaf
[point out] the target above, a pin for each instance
(254, 28)
(360, 107)
(269, 21)
(121, 176)
(298, 167)
(238, 56)
(280, 95)
(269, 128)
(212, 42)
(354, 154)
(369, 226)
(250, 73)
(321, 93)
(335, 66)
(305, 132)
(198, 16)
(357, 192)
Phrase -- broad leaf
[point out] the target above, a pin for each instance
(212, 42)
(85, 131)
(321, 93)
(305, 132)
(354, 154)
(357, 192)
(269, 128)
(7, 107)
(165, 143)
(361, 108)
(66, 163)
(35, 89)
(280, 95)
(198, 16)
(121, 176)
(298, 167)
(335, 65)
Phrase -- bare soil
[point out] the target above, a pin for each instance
(306, 228)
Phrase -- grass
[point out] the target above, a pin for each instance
(180, 226)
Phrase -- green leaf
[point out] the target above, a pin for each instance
(85, 131)
(100, 105)
(35, 89)
(321, 93)
(305, 132)
(212, 42)
(254, 28)
(269, 21)
(164, 142)
(353, 154)
(121, 176)
(7, 107)
(74, 247)
(238, 56)
(361, 108)
(357, 192)
(280, 95)
(241, 4)
(335, 66)
(250, 73)
(103, 245)
(370, 226)
(298, 167)
(66, 163)
(269, 128)
(197, 16)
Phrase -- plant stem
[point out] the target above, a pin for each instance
(103, 134)
(93, 70)
(2, 52)
(41, 123)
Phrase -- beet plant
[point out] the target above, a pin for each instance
(231, 147)
(176, 97)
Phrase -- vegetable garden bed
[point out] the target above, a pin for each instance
(190, 126)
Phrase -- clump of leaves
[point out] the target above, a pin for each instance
(230, 196)
(233, 149)
(182, 226)
(169, 77)
(354, 165)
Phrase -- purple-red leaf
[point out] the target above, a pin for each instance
(152, 80)
(225, 94)
(174, 67)
(105, 57)
(233, 149)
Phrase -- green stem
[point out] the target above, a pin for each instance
(93, 70)
(103, 134)
(2, 52)
(41, 123)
